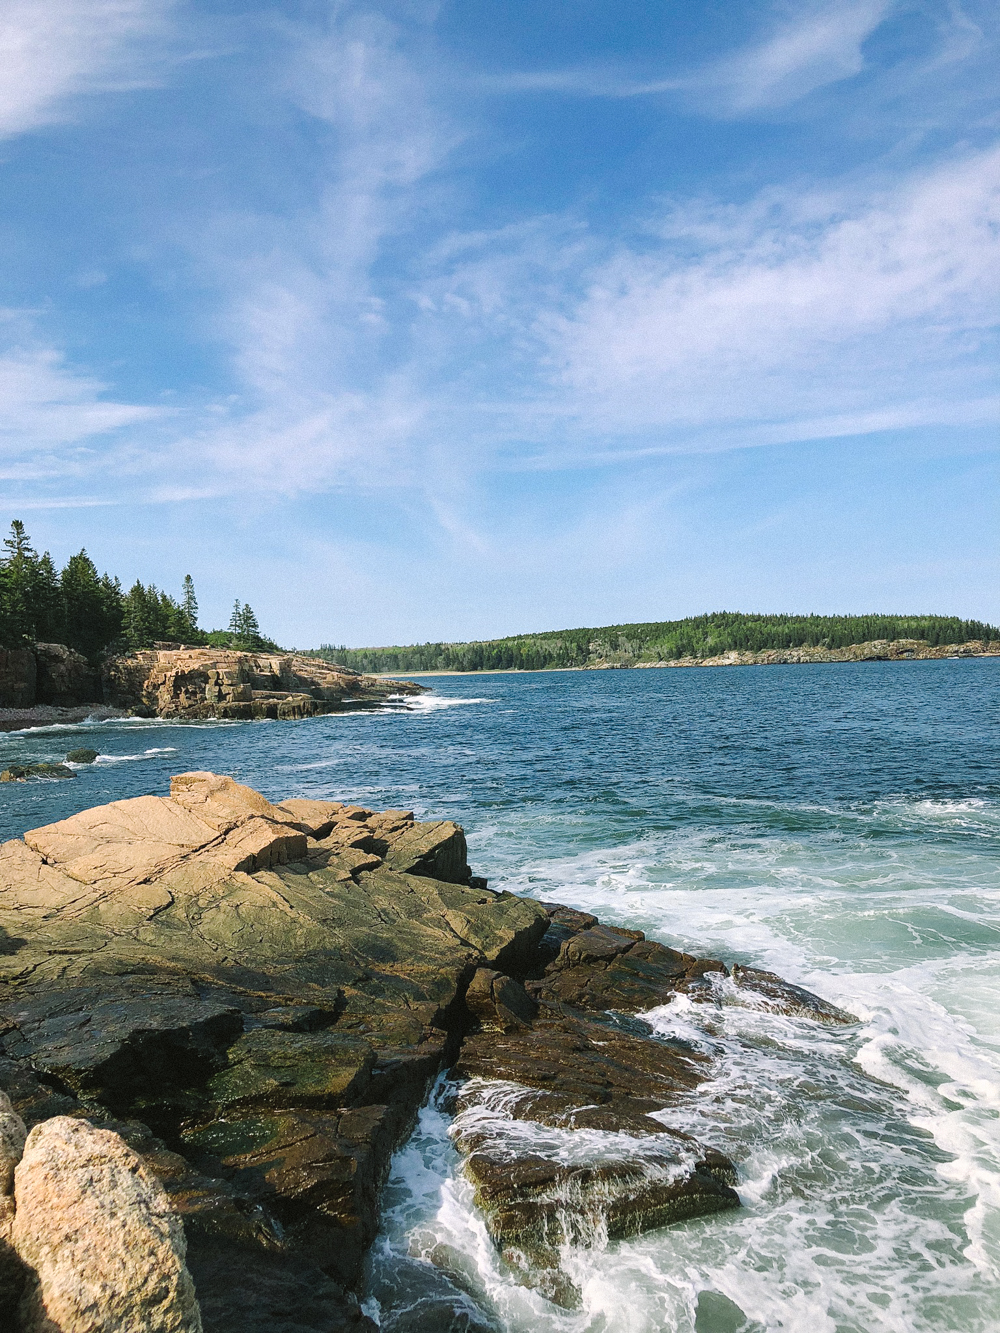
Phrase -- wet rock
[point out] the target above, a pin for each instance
(262, 1037)
(536, 1203)
(578, 1061)
(784, 998)
(96, 1229)
(81, 756)
(255, 998)
(498, 1002)
(22, 772)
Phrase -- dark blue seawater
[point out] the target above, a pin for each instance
(840, 824)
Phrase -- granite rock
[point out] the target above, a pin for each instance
(104, 1248)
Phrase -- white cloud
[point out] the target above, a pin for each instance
(52, 50)
(323, 401)
(816, 48)
(48, 408)
(819, 312)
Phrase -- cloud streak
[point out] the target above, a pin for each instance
(820, 46)
(797, 310)
(55, 50)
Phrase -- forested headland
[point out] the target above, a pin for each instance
(92, 612)
(695, 637)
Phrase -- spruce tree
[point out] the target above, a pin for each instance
(84, 606)
(189, 607)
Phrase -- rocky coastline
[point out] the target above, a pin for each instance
(878, 650)
(48, 683)
(220, 1016)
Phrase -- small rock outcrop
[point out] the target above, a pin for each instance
(22, 772)
(212, 682)
(96, 1229)
(234, 1009)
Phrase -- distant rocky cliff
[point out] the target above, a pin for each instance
(47, 674)
(216, 682)
(175, 681)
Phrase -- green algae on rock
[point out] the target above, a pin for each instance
(256, 998)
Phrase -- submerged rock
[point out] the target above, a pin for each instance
(81, 756)
(22, 772)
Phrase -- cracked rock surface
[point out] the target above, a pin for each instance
(250, 1001)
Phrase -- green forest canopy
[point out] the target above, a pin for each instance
(658, 641)
(91, 612)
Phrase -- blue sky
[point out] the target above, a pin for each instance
(408, 321)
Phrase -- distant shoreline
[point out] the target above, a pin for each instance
(770, 657)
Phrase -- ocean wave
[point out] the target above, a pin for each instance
(105, 759)
(423, 703)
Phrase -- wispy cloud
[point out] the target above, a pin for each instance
(326, 388)
(54, 50)
(795, 310)
(819, 46)
(50, 409)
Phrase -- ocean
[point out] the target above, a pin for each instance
(838, 824)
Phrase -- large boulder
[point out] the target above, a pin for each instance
(105, 1249)
(254, 985)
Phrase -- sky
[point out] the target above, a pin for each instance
(409, 321)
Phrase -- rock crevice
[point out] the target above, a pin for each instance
(242, 1004)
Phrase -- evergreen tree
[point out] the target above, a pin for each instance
(30, 606)
(189, 606)
(84, 599)
(144, 616)
(236, 619)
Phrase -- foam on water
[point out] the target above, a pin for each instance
(869, 1157)
(425, 703)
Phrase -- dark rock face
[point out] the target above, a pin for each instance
(46, 673)
(256, 997)
(65, 678)
(18, 677)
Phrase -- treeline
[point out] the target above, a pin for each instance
(658, 641)
(93, 614)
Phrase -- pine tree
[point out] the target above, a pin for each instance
(84, 606)
(235, 620)
(246, 628)
(140, 616)
(30, 607)
(189, 606)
